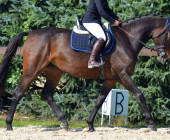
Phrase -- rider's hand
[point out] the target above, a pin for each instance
(118, 22)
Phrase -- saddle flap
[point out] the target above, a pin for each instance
(82, 40)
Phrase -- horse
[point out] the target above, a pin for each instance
(48, 50)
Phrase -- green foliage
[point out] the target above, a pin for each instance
(15, 73)
(127, 9)
(32, 105)
(76, 97)
(17, 16)
(75, 100)
(153, 79)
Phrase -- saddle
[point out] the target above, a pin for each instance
(82, 40)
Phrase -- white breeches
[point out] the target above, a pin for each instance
(95, 29)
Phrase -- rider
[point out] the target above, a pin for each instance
(92, 22)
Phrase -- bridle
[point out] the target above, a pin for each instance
(159, 49)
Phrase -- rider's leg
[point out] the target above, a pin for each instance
(98, 32)
(95, 51)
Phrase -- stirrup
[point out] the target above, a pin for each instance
(90, 66)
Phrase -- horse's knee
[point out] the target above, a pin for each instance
(8, 120)
(46, 97)
(100, 101)
(140, 97)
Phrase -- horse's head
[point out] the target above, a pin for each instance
(161, 38)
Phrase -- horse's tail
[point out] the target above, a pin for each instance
(6, 60)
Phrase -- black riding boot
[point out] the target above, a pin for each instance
(95, 51)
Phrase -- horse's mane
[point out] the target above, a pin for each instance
(141, 17)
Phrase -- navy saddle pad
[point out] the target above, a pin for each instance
(83, 41)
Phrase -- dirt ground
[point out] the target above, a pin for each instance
(101, 133)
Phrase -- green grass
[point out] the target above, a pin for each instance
(22, 121)
(19, 123)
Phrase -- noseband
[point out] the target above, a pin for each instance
(160, 50)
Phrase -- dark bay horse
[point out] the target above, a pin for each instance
(48, 50)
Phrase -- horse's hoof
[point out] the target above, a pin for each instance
(91, 130)
(152, 127)
(64, 126)
(9, 128)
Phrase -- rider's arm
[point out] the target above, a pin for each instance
(105, 11)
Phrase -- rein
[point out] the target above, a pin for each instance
(145, 45)
(167, 28)
(161, 33)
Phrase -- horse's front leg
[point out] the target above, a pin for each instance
(128, 83)
(108, 85)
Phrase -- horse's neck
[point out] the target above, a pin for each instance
(140, 29)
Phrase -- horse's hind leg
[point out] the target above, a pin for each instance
(17, 96)
(108, 85)
(32, 67)
(128, 83)
(53, 76)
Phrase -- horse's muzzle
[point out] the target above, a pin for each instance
(163, 60)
